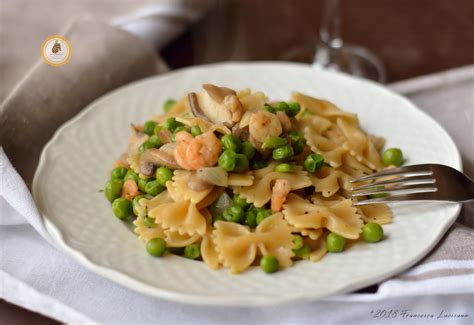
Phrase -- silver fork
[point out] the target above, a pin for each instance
(414, 183)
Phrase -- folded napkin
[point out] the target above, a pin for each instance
(36, 276)
(103, 58)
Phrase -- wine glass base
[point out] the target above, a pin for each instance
(354, 60)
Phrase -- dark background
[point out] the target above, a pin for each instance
(412, 37)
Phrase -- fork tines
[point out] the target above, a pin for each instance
(403, 183)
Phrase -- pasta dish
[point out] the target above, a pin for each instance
(236, 180)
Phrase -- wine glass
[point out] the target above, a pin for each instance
(333, 54)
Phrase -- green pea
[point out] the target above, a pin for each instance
(284, 168)
(113, 189)
(269, 108)
(313, 162)
(298, 146)
(234, 214)
(157, 129)
(392, 156)
(154, 188)
(179, 129)
(171, 124)
(335, 243)
(122, 208)
(293, 109)
(248, 150)
(251, 218)
(283, 153)
(269, 264)
(240, 202)
(303, 252)
(146, 145)
(295, 136)
(168, 105)
(273, 142)
(281, 106)
(372, 232)
(131, 175)
(230, 142)
(156, 247)
(297, 242)
(241, 163)
(196, 130)
(227, 160)
(135, 201)
(149, 222)
(149, 127)
(259, 164)
(192, 251)
(163, 174)
(141, 184)
(155, 140)
(118, 173)
(298, 142)
(262, 214)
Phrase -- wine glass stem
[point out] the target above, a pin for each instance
(330, 30)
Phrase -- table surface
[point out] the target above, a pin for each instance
(412, 38)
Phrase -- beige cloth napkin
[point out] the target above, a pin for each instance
(103, 59)
(24, 25)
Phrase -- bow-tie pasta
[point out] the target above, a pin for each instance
(235, 180)
(238, 246)
(340, 218)
(260, 192)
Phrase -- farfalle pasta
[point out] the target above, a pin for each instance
(236, 180)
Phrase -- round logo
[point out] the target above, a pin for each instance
(56, 50)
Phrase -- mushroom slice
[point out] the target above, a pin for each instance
(195, 108)
(218, 94)
(156, 157)
(219, 105)
(239, 132)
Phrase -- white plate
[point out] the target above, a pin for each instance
(74, 167)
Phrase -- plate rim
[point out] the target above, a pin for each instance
(195, 299)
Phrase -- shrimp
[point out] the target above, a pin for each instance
(284, 120)
(263, 125)
(194, 153)
(130, 189)
(280, 190)
(183, 136)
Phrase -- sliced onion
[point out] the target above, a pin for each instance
(218, 207)
(213, 175)
(165, 136)
(169, 148)
(197, 184)
(245, 120)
